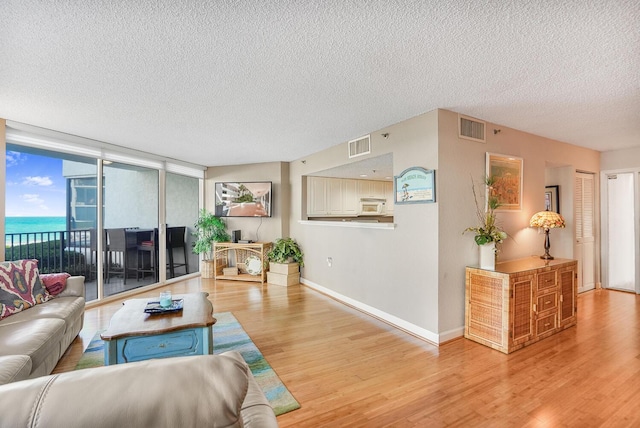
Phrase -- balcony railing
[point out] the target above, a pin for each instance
(65, 251)
(127, 266)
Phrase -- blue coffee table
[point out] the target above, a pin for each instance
(134, 335)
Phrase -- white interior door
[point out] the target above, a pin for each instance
(621, 232)
(585, 251)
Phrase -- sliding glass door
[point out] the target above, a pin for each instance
(123, 219)
(182, 206)
(131, 231)
(51, 212)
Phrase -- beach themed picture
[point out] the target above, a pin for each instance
(415, 185)
(507, 171)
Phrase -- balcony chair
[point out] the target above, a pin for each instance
(176, 239)
(118, 253)
(147, 249)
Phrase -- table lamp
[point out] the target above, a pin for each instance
(546, 220)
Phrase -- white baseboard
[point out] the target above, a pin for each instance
(451, 334)
(412, 329)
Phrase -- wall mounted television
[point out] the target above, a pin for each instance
(243, 199)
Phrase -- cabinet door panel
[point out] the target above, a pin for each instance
(521, 315)
(485, 311)
(377, 189)
(568, 292)
(364, 189)
(350, 196)
(316, 196)
(388, 194)
(371, 189)
(334, 196)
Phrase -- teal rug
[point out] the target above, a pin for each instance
(228, 335)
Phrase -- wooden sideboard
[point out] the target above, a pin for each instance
(520, 302)
(226, 254)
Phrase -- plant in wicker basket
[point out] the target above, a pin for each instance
(284, 260)
(286, 250)
(209, 229)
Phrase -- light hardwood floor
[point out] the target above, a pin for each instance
(349, 370)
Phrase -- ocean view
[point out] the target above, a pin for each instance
(34, 224)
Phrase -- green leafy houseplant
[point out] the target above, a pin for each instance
(286, 250)
(209, 229)
(487, 229)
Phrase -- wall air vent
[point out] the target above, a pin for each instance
(360, 146)
(471, 129)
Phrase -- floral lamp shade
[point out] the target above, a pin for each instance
(546, 220)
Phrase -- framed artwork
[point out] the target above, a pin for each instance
(415, 185)
(552, 198)
(507, 171)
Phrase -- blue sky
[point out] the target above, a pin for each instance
(35, 186)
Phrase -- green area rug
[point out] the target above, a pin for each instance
(228, 335)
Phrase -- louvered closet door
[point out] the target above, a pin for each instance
(585, 238)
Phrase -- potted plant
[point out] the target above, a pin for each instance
(487, 233)
(285, 258)
(209, 229)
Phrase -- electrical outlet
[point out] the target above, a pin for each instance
(329, 261)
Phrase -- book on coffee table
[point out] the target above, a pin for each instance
(155, 308)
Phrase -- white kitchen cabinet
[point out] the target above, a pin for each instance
(331, 197)
(388, 194)
(334, 196)
(371, 189)
(377, 189)
(350, 200)
(316, 196)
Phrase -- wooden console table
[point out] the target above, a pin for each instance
(521, 302)
(221, 259)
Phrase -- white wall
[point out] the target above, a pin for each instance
(462, 159)
(415, 272)
(394, 271)
(621, 159)
(562, 240)
(256, 229)
(627, 160)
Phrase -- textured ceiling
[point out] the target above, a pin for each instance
(372, 168)
(229, 82)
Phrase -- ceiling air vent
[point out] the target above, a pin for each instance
(360, 146)
(471, 129)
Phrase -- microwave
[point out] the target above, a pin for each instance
(371, 206)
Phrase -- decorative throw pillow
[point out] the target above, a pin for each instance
(54, 282)
(20, 287)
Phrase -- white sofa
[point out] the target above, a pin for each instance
(193, 391)
(33, 340)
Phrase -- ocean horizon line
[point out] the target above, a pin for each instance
(34, 224)
(36, 216)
